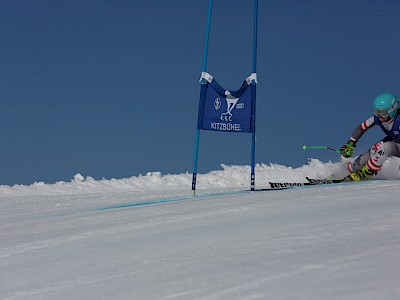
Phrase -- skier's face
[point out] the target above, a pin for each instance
(383, 119)
(382, 114)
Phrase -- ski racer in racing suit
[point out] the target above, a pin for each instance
(387, 116)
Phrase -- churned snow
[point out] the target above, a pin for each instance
(146, 237)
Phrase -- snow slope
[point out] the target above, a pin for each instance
(145, 237)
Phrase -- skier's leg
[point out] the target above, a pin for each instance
(359, 162)
(379, 153)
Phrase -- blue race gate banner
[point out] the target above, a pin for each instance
(227, 111)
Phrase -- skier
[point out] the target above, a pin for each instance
(386, 115)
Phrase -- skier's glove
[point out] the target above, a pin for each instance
(347, 149)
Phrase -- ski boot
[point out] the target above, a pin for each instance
(362, 174)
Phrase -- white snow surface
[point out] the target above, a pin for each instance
(146, 237)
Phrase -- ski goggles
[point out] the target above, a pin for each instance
(381, 112)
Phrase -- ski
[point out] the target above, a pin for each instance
(286, 185)
(327, 180)
(310, 182)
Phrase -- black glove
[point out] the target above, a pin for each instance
(347, 149)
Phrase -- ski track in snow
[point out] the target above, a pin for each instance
(87, 239)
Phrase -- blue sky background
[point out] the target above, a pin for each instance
(110, 88)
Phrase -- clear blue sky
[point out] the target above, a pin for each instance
(110, 88)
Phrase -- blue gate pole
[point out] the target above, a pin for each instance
(196, 150)
(253, 143)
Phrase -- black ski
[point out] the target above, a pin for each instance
(327, 180)
(310, 182)
(285, 185)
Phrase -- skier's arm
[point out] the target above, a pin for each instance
(360, 130)
(347, 149)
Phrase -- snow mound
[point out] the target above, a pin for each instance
(234, 177)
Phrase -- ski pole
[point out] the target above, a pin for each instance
(321, 147)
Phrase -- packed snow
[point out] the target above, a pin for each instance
(147, 237)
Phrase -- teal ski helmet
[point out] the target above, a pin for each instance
(386, 104)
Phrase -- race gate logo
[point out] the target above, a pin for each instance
(227, 116)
